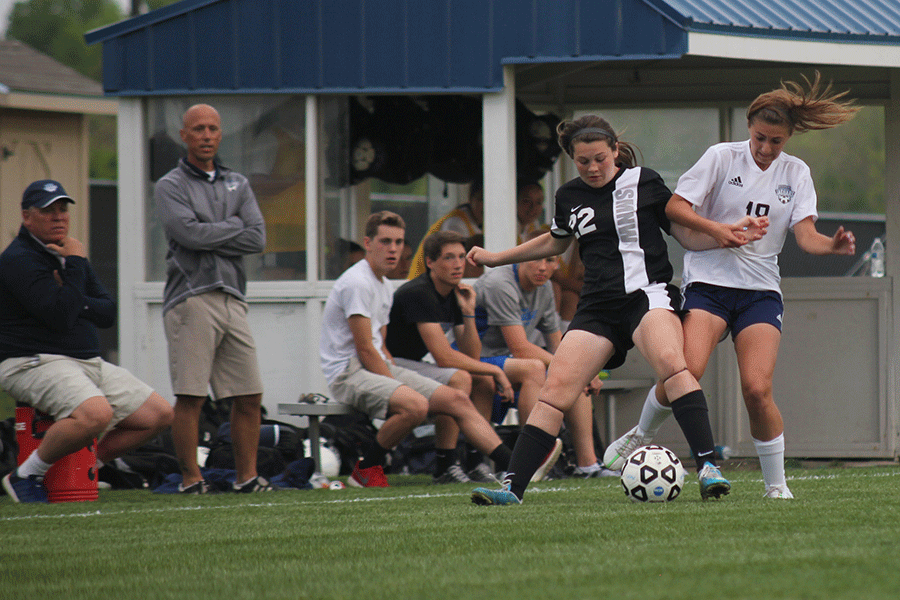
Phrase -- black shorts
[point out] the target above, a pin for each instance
(616, 318)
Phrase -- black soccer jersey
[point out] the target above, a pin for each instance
(619, 230)
(417, 301)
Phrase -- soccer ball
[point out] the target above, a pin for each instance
(652, 474)
(331, 462)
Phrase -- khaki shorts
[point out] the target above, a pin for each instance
(57, 384)
(371, 393)
(429, 370)
(210, 345)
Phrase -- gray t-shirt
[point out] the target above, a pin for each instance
(501, 301)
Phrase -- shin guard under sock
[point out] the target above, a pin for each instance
(692, 415)
(532, 447)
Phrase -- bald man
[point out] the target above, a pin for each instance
(211, 220)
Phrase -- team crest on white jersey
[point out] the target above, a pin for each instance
(784, 193)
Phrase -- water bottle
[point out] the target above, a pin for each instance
(876, 258)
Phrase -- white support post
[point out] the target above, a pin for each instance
(132, 251)
(499, 143)
(892, 254)
(312, 189)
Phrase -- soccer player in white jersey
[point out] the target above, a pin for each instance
(736, 286)
(617, 212)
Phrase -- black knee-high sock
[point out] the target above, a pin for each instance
(532, 447)
(692, 415)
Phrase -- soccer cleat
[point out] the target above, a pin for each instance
(618, 452)
(198, 487)
(370, 477)
(25, 489)
(712, 483)
(485, 497)
(257, 484)
(482, 474)
(779, 491)
(453, 474)
(595, 470)
(548, 462)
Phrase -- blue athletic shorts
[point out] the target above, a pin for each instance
(738, 308)
(500, 408)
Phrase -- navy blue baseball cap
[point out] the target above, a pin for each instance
(43, 193)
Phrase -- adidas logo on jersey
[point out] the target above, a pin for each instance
(736, 181)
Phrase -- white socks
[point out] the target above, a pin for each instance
(771, 460)
(33, 465)
(653, 415)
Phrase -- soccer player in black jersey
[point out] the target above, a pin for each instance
(616, 211)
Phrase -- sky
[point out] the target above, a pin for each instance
(6, 8)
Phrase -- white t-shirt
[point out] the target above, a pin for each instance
(356, 292)
(725, 185)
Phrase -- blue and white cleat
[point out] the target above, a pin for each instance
(712, 483)
(485, 497)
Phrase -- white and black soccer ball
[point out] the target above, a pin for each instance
(652, 474)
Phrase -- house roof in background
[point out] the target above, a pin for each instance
(24, 69)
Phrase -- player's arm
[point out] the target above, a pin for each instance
(520, 347)
(542, 246)
(810, 240)
(369, 357)
(699, 233)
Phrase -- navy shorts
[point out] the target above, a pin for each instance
(500, 408)
(616, 318)
(738, 308)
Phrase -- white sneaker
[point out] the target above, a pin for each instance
(779, 491)
(618, 452)
(548, 463)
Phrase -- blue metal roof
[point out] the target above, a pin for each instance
(860, 20)
(432, 46)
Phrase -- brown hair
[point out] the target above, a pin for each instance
(434, 244)
(591, 128)
(384, 217)
(801, 109)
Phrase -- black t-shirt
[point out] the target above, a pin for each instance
(417, 301)
(619, 230)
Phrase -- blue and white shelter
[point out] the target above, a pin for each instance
(442, 88)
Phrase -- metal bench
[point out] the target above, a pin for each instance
(321, 407)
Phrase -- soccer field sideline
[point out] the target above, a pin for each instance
(538, 489)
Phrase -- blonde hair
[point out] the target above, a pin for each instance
(801, 109)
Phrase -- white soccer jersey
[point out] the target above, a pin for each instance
(725, 185)
(356, 292)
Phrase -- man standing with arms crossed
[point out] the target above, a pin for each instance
(211, 220)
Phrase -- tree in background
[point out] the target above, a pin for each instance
(56, 28)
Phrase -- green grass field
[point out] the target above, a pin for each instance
(571, 539)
